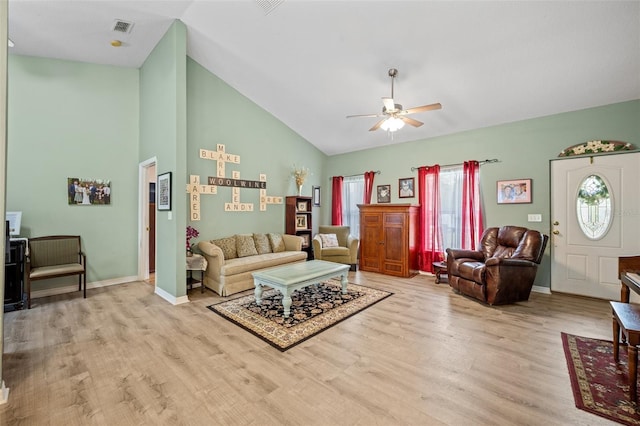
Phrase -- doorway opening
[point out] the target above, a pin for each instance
(147, 220)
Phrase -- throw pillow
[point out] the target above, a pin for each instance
(329, 240)
(228, 246)
(262, 243)
(277, 243)
(245, 245)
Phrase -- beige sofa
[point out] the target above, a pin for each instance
(231, 260)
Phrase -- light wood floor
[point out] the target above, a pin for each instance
(424, 356)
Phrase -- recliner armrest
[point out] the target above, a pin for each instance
(467, 254)
(507, 261)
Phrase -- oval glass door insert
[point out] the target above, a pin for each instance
(594, 207)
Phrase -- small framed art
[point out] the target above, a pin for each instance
(384, 193)
(302, 206)
(301, 221)
(316, 196)
(517, 191)
(163, 191)
(405, 188)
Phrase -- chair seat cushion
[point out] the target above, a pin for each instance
(335, 251)
(47, 271)
(469, 269)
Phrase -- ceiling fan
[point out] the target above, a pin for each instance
(394, 115)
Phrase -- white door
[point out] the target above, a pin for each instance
(595, 217)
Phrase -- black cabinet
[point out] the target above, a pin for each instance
(14, 296)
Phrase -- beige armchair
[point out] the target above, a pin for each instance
(344, 251)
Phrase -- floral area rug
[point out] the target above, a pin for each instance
(600, 386)
(314, 309)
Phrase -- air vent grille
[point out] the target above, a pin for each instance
(121, 26)
(268, 5)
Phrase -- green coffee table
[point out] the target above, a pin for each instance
(288, 278)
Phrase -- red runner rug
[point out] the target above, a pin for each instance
(600, 386)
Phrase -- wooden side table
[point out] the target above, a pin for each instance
(196, 262)
(626, 318)
(440, 269)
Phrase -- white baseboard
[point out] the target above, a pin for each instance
(71, 288)
(540, 289)
(171, 298)
(4, 397)
(105, 283)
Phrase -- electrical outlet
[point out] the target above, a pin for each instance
(536, 217)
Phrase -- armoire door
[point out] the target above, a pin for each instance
(371, 240)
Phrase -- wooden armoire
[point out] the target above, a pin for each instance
(389, 239)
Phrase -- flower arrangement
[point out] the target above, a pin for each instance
(299, 174)
(594, 147)
(191, 233)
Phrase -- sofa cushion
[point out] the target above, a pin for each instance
(260, 261)
(329, 240)
(245, 246)
(262, 243)
(228, 247)
(277, 243)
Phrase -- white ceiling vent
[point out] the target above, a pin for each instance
(268, 5)
(121, 26)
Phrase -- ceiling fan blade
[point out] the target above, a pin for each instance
(365, 115)
(414, 123)
(422, 108)
(377, 125)
(389, 104)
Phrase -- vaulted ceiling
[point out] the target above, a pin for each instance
(312, 63)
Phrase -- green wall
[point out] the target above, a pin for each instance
(163, 136)
(218, 114)
(75, 119)
(69, 119)
(524, 149)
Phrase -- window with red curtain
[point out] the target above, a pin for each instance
(472, 227)
(450, 215)
(336, 200)
(368, 186)
(430, 239)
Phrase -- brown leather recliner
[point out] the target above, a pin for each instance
(504, 268)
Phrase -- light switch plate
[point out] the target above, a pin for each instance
(535, 217)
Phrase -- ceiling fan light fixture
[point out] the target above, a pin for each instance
(392, 124)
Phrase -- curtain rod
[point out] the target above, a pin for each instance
(493, 160)
(360, 174)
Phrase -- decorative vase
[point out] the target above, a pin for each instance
(299, 190)
(189, 253)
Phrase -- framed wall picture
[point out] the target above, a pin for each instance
(301, 221)
(302, 206)
(316, 196)
(163, 191)
(88, 191)
(384, 193)
(405, 188)
(517, 191)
